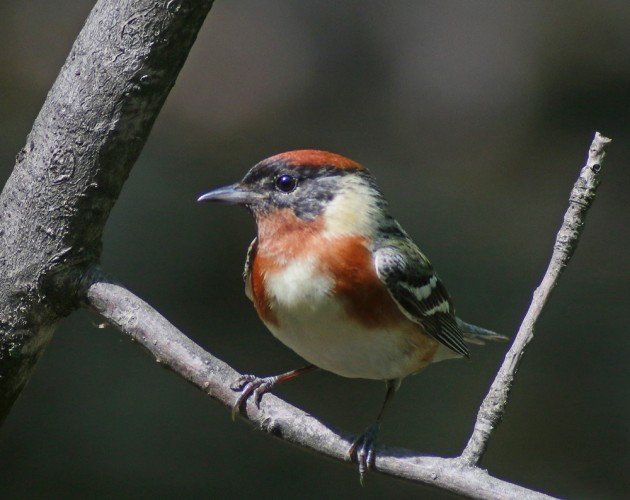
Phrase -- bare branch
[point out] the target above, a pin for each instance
(174, 350)
(460, 475)
(79, 153)
(580, 200)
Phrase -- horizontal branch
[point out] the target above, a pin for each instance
(581, 198)
(173, 349)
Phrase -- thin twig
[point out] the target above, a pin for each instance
(580, 200)
(174, 350)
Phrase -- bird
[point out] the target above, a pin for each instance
(334, 277)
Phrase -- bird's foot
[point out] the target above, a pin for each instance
(248, 385)
(364, 452)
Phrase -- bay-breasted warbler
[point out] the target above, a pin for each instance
(334, 277)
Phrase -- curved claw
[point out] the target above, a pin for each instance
(241, 382)
(364, 452)
(248, 384)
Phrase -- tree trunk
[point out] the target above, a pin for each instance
(83, 144)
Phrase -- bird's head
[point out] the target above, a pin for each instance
(308, 185)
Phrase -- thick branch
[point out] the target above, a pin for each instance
(580, 200)
(174, 350)
(83, 144)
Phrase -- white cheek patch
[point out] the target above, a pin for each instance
(352, 211)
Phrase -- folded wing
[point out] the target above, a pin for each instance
(419, 293)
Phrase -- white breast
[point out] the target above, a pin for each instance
(298, 288)
(313, 323)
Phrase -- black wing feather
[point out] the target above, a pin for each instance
(419, 293)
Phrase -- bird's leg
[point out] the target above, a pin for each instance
(248, 384)
(363, 447)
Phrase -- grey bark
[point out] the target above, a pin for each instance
(86, 138)
(172, 349)
(580, 200)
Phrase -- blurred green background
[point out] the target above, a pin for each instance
(475, 118)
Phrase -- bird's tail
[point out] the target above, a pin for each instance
(477, 335)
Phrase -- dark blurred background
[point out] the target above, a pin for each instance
(475, 118)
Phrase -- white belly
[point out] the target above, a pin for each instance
(314, 324)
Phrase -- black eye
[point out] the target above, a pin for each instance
(286, 183)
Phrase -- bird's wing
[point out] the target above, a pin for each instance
(247, 270)
(419, 293)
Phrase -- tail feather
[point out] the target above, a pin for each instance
(477, 335)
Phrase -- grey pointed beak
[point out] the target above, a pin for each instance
(235, 194)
